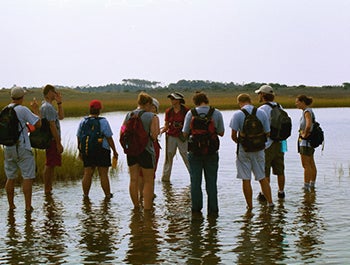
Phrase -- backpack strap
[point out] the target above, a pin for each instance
(194, 112)
(210, 112)
(272, 105)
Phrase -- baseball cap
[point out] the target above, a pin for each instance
(17, 92)
(177, 95)
(265, 89)
(96, 104)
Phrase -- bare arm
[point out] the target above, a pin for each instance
(307, 130)
(56, 136)
(234, 136)
(58, 99)
(112, 145)
(154, 131)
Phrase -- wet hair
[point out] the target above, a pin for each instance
(268, 97)
(307, 100)
(244, 98)
(144, 98)
(199, 98)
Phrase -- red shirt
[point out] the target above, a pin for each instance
(175, 120)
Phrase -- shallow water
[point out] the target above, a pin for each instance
(304, 228)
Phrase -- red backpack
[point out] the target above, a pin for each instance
(133, 137)
(203, 137)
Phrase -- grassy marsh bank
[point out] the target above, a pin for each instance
(76, 103)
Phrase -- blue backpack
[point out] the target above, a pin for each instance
(90, 137)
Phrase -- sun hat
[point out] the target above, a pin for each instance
(17, 92)
(155, 103)
(265, 89)
(177, 95)
(96, 104)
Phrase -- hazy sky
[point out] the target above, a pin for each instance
(97, 42)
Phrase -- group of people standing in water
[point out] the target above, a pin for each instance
(177, 128)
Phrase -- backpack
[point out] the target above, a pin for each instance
(133, 136)
(90, 137)
(203, 138)
(316, 137)
(41, 137)
(252, 137)
(281, 123)
(9, 133)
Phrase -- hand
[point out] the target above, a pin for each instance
(58, 97)
(35, 106)
(59, 147)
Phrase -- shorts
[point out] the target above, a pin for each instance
(306, 150)
(53, 158)
(101, 159)
(248, 162)
(19, 158)
(274, 158)
(145, 160)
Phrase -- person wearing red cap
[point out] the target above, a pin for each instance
(54, 152)
(101, 156)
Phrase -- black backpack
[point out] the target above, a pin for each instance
(203, 137)
(9, 133)
(281, 123)
(252, 137)
(90, 137)
(316, 137)
(41, 138)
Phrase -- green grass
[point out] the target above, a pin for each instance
(76, 103)
(71, 169)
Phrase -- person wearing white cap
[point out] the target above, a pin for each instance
(173, 124)
(20, 156)
(274, 157)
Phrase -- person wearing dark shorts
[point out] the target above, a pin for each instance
(145, 162)
(101, 159)
(54, 152)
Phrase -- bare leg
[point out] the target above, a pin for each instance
(281, 182)
(134, 184)
(27, 191)
(48, 176)
(248, 193)
(266, 189)
(148, 188)
(87, 179)
(103, 172)
(10, 190)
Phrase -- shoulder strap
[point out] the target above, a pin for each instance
(194, 112)
(141, 112)
(254, 111)
(210, 112)
(246, 113)
(269, 103)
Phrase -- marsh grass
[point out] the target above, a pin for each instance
(70, 171)
(76, 103)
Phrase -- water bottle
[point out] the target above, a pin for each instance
(284, 147)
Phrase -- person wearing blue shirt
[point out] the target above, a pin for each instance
(20, 155)
(248, 162)
(209, 163)
(102, 160)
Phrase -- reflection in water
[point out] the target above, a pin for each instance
(261, 240)
(203, 241)
(310, 228)
(53, 231)
(21, 246)
(98, 233)
(143, 243)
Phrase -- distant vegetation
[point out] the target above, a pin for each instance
(123, 97)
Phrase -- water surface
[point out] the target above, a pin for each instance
(304, 228)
